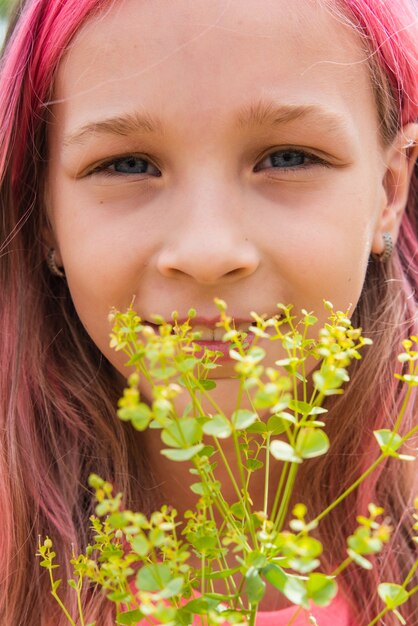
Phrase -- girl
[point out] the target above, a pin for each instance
(257, 151)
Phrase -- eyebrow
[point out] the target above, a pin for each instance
(264, 113)
(258, 114)
(122, 125)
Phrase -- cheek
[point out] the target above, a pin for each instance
(100, 275)
(320, 258)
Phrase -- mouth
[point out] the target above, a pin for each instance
(210, 335)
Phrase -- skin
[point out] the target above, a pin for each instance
(213, 214)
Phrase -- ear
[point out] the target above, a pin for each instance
(50, 242)
(48, 237)
(400, 159)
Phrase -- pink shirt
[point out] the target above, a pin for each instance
(337, 614)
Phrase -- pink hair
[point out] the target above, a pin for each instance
(57, 393)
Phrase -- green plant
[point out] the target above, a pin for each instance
(144, 564)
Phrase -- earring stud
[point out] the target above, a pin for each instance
(388, 249)
(52, 264)
(410, 143)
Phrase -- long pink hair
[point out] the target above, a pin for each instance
(58, 394)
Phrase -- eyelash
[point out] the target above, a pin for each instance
(104, 168)
(314, 160)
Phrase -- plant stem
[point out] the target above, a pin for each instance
(236, 488)
(411, 573)
(266, 480)
(244, 494)
(58, 599)
(378, 617)
(253, 615)
(80, 608)
(409, 435)
(284, 505)
(403, 409)
(279, 489)
(202, 582)
(294, 616)
(350, 489)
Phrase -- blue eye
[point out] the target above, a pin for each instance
(128, 165)
(288, 159)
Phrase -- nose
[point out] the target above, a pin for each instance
(212, 245)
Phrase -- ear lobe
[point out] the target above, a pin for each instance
(50, 243)
(48, 237)
(400, 160)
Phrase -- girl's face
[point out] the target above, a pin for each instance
(214, 149)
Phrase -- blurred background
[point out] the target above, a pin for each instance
(5, 8)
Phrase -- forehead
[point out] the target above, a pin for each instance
(211, 56)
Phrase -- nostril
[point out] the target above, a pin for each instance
(239, 271)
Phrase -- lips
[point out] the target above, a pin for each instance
(211, 334)
(212, 338)
(215, 333)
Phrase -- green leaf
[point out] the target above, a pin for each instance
(257, 427)
(130, 617)
(253, 464)
(199, 489)
(388, 441)
(329, 379)
(292, 587)
(222, 574)
(154, 577)
(283, 403)
(207, 451)
(363, 542)
(287, 417)
(255, 354)
(218, 426)
(301, 407)
(140, 545)
(200, 606)
(310, 320)
(410, 379)
(321, 588)
(163, 373)
(311, 443)
(118, 520)
(255, 587)
(119, 596)
(173, 588)
(202, 542)
(392, 595)
(187, 365)
(283, 451)
(161, 408)
(243, 418)
(276, 425)
(140, 415)
(207, 384)
(182, 454)
(360, 560)
(186, 432)
(318, 410)
(256, 559)
(237, 510)
(266, 397)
